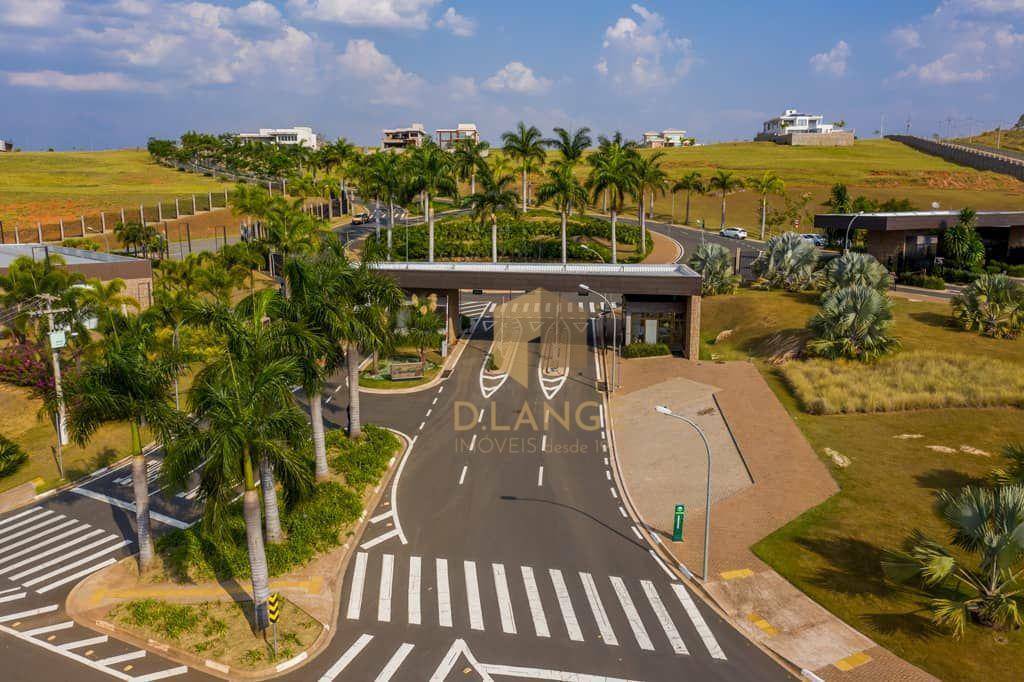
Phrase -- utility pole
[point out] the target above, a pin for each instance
(62, 425)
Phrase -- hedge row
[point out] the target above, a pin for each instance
(645, 350)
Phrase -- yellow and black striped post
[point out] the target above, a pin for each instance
(274, 612)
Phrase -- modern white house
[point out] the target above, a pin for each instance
(402, 138)
(447, 137)
(671, 137)
(302, 136)
(797, 128)
(6, 146)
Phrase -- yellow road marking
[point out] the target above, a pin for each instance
(850, 662)
(740, 573)
(762, 624)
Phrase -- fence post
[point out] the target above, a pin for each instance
(142, 215)
(177, 212)
(17, 239)
(159, 211)
(103, 222)
(193, 204)
(188, 236)
(284, 187)
(122, 216)
(83, 225)
(3, 240)
(737, 260)
(39, 231)
(225, 199)
(61, 229)
(209, 199)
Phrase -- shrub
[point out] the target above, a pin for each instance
(787, 262)
(170, 620)
(925, 281)
(645, 350)
(992, 305)
(960, 276)
(854, 323)
(363, 460)
(12, 457)
(714, 264)
(856, 269)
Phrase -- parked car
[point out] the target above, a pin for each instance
(360, 218)
(816, 239)
(734, 233)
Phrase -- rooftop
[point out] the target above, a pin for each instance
(11, 252)
(602, 269)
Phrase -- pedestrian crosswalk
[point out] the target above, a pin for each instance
(153, 467)
(527, 601)
(44, 550)
(548, 308)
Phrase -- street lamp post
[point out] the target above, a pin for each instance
(613, 384)
(846, 240)
(584, 246)
(661, 409)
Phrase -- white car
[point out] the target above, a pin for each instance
(734, 233)
(816, 239)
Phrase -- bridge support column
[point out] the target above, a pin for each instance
(452, 317)
(691, 347)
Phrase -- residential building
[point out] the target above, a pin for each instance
(671, 137)
(136, 273)
(6, 146)
(910, 241)
(447, 137)
(302, 136)
(796, 128)
(402, 138)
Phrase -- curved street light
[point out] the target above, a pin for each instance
(661, 409)
(613, 384)
(846, 240)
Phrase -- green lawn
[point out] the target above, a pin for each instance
(832, 552)
(45, 186)
(1007, 139)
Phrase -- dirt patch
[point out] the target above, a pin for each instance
(782, 346)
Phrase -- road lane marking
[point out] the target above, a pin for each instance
(544, 442)
(698, 621)
(9, 590)
(435, 401)
(444, 597)
(114, 502)
(28, 614)
(346, 658)
(632, 616)
(131, 656)
(608, 474)
(380, 517)
(542, 674)
(600, 616)
(12, 597)
(387, 570)
(429, 411)
(657, 560)
(33, 510)
(67, 567)
(92, 641)
(355, 595)
(636, 532)
(41, 524)
(440, 389)
(394, 489)
(414, 590)
(75, 576)
(572, 626)
(508, 620)
(389, 670)
(476, 614)
(472, 443)
(623, 512)
(462, 476)
(40, 542)
(664, 619)
(379, 539)
(540, 476)
(540, 622)
(66, 625)
(600, 408)
(480, 418)
(422, 424)
(614, 494)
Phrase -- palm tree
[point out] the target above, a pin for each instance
(570, 144)
(467, 159)
(126, 382)
(337, 156)
(714, 264)
(961, 243)
(725, 183)
(525, 145)
(492, 198)
(768, 183)
(612, 173)
(384, 175)
(1013, 474)
(433, 174)
(854, 322)
(992, 305)
(649, 177)
(245, 421)
(691, 183)
(423, 325)
(563, 190)
(978, 579)
(290, 231)
(856, 269)
(788, 261)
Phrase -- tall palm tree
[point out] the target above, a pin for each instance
(570, 144)
(525, 145)
(493, 197)
(126, 382)
(691, 183)
(650, 177)
(245, 421)
(433, 174)
(290, 231)
(467, 158)
(337, 157)
(563, 190)
(384, 175)
(725, 183)
(612, 173)
(768, 183)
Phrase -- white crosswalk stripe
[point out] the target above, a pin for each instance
(15, 517)
(68, 555)
(73, 564)
(53, 550)
(33, 528)
(346, 658)
(152, 472)
(467, 602)
(392, 666)
(75, 576)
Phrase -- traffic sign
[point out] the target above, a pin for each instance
(274, 607)
(58, 339)
(677, 523)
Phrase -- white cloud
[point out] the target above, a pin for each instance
(104, 81)
(905, 38)
(458, 24)
(519, 78)
(639, 52)
(946, 70)
(833, 62)
(389, 83)
(462, 87)
(380, 13)
(259, 13)
(31, 13)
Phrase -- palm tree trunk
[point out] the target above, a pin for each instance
(524, 189)
(472, 182)
(140, 487)
(355, 428)
(643, 225)
(391, 225)
(687, 220)
(494, 240)
(271, 512)
(615, 251)
(316, 414)
(254, 542)
(723, 211)
(764, 209)
(563, 236)
(430, 232)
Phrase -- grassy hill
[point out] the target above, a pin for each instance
(1007, 139)
(45, 186)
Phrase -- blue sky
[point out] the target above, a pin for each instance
(110, 73)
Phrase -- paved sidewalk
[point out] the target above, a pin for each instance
(663, 462)
(666, 250)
